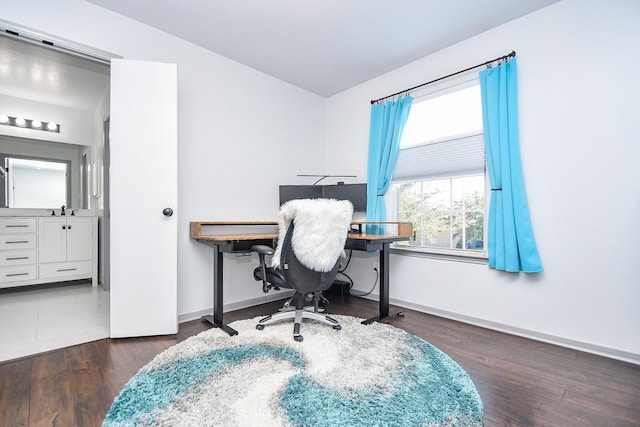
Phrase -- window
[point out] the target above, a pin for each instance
(439, 179)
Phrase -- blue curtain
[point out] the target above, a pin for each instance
(511, 244)
(387, 124)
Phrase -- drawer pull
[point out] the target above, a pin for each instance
(18, 241)
(66, 269)
(16, 225)
(16, 274)
(14, 258)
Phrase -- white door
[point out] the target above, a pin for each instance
(143, 182)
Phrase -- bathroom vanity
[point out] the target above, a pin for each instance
(35, 250)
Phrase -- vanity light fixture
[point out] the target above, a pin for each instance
(29, 123)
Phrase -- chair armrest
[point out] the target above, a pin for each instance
(262, 249)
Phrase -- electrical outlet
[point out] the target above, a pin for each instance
(376, 265)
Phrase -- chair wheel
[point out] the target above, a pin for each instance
(337, 327)
(259, 327)
(298, 338)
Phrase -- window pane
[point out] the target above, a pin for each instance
(457, 230)
(437, 194)
(474, 230)
(438, 229)
(444, 117)
(410, 196)
(445, 213)
(468, 193)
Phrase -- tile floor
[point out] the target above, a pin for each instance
(35, 319)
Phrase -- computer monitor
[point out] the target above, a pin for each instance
(355, 193)
(292, 192)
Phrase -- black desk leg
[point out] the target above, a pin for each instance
(218, 288)
(384, 289)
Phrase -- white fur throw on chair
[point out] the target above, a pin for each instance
(321, 227)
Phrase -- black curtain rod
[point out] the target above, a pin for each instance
(484, 64)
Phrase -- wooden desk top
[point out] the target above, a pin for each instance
(233, 230)
(265, 230)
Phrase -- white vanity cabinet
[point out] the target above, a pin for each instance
(36, 250)
(65, 247)
(18, 251)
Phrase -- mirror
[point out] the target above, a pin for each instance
(43, 174)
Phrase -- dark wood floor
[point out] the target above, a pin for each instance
(521, 382)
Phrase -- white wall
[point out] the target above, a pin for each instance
(578, 97)
(236, 130)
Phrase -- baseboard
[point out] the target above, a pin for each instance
(274, 296)
(612, 353)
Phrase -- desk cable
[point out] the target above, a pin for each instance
(341, 271)
(374, 285)
(350, 280)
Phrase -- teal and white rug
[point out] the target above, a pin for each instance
(362, 375)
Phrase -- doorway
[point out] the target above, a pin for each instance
(143, 138)
(75, 312)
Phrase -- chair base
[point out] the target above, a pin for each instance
(298, 315)
(306, 307)
(318, 298)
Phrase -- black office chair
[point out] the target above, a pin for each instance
(312, 234)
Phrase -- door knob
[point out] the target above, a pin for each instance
(167, 211)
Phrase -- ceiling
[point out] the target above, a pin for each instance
(324, 46)
(38, 73)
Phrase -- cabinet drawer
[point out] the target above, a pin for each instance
(17, 273)
(18, 257)
(64, 269)
(17, 241)
(17, 225)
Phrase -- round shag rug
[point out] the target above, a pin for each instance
(362, 375)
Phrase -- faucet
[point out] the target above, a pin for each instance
(62, 210)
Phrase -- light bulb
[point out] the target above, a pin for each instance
(52, 126)
(4, 118)
(20, 121)
(36, 124)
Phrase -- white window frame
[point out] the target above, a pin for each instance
(391, 197)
